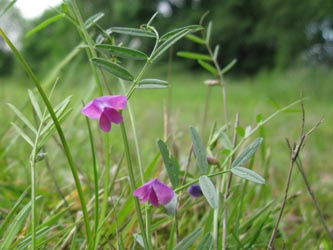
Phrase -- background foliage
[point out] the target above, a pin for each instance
(259, 34)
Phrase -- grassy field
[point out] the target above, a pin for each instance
(263, 94)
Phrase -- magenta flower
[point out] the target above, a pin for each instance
(155, 192)
(106, 110)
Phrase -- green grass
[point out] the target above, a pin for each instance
(300, 226)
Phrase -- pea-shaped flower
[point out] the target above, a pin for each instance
(155, 192)
(106, 110)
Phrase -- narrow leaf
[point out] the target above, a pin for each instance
(206, 242)
(35, 104)
(9, 5)
(123, 52)
(44, 24)
(248, 174)
(199, 151)
(93, 19)
(208, 67)
(195, 56)
(152, 84)
(193, 28)
(22, 118)
(188, 240)
(209, 32)
(208, 190)
(133, 32)
(216, 52)
(248, 152)
(228, 67)
(5, 222)
(169, 42)
(15, 227)
(113, 68)
(195, 39)
(171, 168)
(23, 135)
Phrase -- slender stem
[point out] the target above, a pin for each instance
(59, 131)
(33, 201)
(86, 38)
(271, 241)
(146, 242)
(227, 191)
(190, 183)
(96, 188)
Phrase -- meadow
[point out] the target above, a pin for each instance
(70, 183)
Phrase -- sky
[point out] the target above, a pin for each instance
(34, 8)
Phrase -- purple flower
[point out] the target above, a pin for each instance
(155, 192)
(105, 109)
(195, 190)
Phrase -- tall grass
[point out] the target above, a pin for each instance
(68, 185)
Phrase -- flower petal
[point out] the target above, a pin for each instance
(163, 192)
(104, 122)
(143, 192)
(153, 199)
(118, 102)
(92, 110)
(113, 115)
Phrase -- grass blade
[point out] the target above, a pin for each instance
(206, 242)
(188, 240)
(10, 215)
(16, 225)
(9, 5)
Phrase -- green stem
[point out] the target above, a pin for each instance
(196, 180)
(147, 243)
(86, 38)
(96, 188)
(58, 128)
(33, 200)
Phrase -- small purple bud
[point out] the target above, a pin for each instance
(195, 190)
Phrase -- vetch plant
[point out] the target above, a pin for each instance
(223, 168)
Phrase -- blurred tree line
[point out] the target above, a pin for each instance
(259, 34)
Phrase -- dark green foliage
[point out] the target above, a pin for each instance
(259, 34)
(6, 63)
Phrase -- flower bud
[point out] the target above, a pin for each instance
(195, 191)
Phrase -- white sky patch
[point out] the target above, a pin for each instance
(34, 8)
